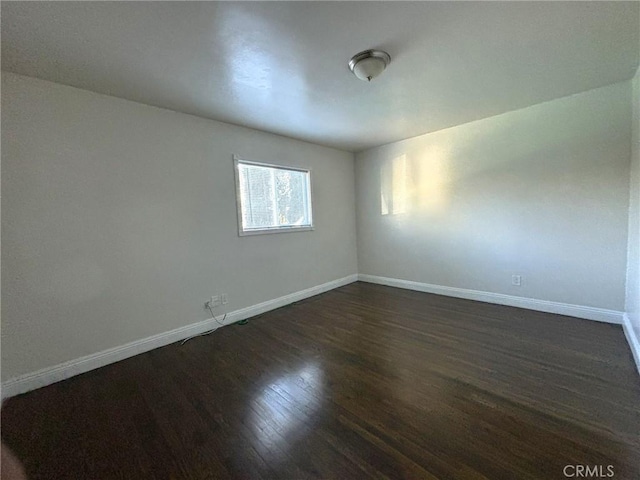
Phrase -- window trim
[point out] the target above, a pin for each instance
(268, 230)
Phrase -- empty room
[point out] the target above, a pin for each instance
(320, 240)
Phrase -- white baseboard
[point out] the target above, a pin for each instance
(632, 338)
(49, 375)
(589, 313)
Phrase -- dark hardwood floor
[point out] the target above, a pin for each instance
(364, 381)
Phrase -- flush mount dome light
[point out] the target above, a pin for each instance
(369, 64)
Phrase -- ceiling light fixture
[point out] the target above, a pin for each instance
(369, 64)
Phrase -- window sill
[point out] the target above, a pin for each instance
(267, 231)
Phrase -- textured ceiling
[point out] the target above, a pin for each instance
(282, 66)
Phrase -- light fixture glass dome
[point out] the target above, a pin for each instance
(369, 64)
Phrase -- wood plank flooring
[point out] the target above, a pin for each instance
(364, 381)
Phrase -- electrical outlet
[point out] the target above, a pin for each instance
(516, 280)
(215, 301)
(224, 298)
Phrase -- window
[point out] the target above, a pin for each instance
(272, 198)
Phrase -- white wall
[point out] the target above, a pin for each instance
(541, 192)
(633, 270)
(119, 222)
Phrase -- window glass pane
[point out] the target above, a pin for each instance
(272, 198)
(291, 192)
(257, 196)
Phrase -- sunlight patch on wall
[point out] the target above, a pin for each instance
(416, 182)
(395, 188)
(432, 180)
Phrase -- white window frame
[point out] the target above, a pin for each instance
(267, 230)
